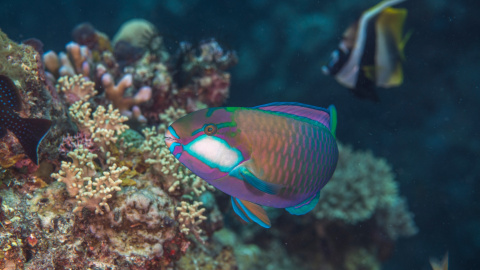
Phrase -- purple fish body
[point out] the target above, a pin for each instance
(29, 132)
(278, 155)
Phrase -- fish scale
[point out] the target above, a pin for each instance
(270, 123)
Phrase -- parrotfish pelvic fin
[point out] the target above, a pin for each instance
(305, 206)
(249, 211)
(243, 173)
(298, 109)
(34, 132)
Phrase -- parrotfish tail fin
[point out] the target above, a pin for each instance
(391, 22)
(249, 211)
(333, 119)
(30, 133)
(305, 206)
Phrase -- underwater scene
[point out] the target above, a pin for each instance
(250, 135)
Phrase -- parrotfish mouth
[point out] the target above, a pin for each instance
(171, 140)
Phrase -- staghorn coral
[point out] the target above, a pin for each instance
(84, 184)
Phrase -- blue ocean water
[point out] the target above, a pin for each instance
(428, 128)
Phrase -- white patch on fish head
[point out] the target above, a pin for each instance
(214, 152)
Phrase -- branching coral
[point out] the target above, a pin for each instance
(116, 93)
(104, 125)
(76, 88)
(84, 184)
(190, 216)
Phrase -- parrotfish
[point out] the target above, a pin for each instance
(278, 155)
(371, 52)
(29, 132)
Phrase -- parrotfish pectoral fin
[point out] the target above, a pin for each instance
(249, 211)
(298, 109)
(242, 172)
(305, 206)
(32, 133)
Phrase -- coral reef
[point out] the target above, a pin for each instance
(109, 195)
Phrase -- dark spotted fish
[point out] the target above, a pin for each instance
(29, 132)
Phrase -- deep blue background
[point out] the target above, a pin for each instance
(428, 128)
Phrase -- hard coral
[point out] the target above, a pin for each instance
(84, 183)
(76, 88)
(116, 93)
(104, 125)
(360, 185)
(190, 216)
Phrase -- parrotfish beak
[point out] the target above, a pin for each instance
(171, 140)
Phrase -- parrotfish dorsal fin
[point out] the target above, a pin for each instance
(31, 134)
(249, 211)
(298, 109)
(9, 96)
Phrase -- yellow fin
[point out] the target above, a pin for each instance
(392, 20)
(369, 72)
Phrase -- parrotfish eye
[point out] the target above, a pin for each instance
(210, 129)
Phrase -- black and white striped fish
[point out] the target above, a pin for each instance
(371, 51)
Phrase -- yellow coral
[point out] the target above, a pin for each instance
(190, 217)
(164, 163)
(89, 191)
(76, 88)
(105, 125)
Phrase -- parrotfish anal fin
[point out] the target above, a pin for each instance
(305, 206)
(30, 133)
(9, 94)
(249, 211)
(298, 109)
(243, 173)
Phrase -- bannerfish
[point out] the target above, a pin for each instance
(29, 132)
(371, 51)
(278, 155)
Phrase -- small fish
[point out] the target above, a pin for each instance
(278, 155)
(29, 132)
(371, 51)
(440, 265)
